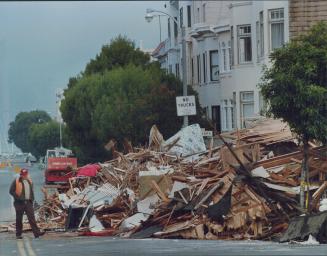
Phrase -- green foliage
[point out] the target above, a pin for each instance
(43, 136)
(296, 84)
(35, 132)
(122, 103)
(19, 129)
(119, 53)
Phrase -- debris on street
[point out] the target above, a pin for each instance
(247, 188)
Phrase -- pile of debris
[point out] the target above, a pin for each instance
(245, 189)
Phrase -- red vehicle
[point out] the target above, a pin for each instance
(59, 166)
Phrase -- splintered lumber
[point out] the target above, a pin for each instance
(316, 195)
(220, 184)
(158, 190)
(215, 194)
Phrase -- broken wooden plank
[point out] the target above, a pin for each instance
(159, 192)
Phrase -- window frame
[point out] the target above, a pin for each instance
(177, 70)
(204, 66)
(198, 63)
(244, 102)
(224, 58)
(213, 66)
(261, 35)
(192, 69)
(276, 21)
(189, 16)
(198, 15)
(232, 41)
(169, 31)
(230, 55)
(181, 21)
(175, 29)
(243, 36)
(204, 13)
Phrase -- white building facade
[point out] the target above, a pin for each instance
(228, 42)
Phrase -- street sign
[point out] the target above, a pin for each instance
(185, 105)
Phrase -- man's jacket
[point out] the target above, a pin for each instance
(17, 190)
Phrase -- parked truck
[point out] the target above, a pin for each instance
(60, 165)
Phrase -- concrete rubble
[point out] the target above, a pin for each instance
(247, 188)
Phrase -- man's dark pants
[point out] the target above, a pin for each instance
(27, 207)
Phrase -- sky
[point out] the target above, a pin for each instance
(43, 44)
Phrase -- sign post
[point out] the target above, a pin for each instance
(185, 105)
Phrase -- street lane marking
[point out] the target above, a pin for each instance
(28, 247)
(21, 249)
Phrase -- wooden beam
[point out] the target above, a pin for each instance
(161, 194)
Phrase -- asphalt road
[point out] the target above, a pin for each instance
(70, 244)
(65, 244)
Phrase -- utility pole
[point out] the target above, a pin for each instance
(59, 98)
(149, 16)
(185, 118)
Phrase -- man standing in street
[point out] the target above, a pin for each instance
(22, 191)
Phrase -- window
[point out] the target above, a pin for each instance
(181, 17)
(244, 44)
(198, 15)
(177, 69)
(170, 69)
(192, 64)
(262, 48)
(204, 59)
(258, 39)
(189, 16)
(198, 68)
(276, 19)
(260, 36)
(204, 13)
(247, 106)
(225, 115)
(214, 66)
(232, 117)
(175, 29)
(232, 46)
(230, 59)
(169, 35)
(233, 102)
(228, 122)
(225, 59)
(224, 53)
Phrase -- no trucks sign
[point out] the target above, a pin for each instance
(185, 105)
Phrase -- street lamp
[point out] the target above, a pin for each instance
(149, 16)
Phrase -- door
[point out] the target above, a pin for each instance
(215, 117)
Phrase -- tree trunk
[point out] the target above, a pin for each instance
(304, 173)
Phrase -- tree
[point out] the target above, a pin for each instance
(119, 53)
(121, 103)
(296, 88)
(19, 129)
(43, 136)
